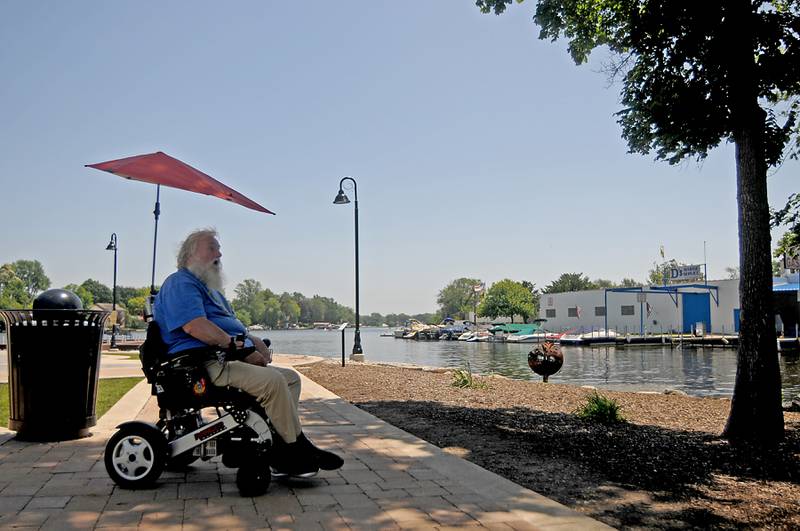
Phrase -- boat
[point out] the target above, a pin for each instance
(518, 332)
(591, 337)
(480, 336)
(417, 330)
(411, 324)
(536, 337)
(449, 330)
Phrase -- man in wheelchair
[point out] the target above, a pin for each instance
(192, 313)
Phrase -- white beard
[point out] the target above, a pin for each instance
(209, 274)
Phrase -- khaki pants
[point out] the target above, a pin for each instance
(277, 390)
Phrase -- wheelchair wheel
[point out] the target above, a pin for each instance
(135, 456)
(253, 479)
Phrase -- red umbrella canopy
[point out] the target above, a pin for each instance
(160, 168)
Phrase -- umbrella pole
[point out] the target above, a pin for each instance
(156, 213)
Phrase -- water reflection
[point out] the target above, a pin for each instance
(698, 372)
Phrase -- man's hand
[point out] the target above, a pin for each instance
(256, 358)
(261, 348)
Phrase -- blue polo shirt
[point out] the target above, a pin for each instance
(183, 297)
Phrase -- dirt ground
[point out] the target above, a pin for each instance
(664, 468)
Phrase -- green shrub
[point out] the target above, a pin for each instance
(600, 409)
(463, 378)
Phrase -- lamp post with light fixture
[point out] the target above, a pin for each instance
(342, 199)
(112, 246)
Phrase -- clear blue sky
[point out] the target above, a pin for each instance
(479, 150)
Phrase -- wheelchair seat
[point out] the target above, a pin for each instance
(182, 382)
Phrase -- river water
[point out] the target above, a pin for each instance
(698, 372)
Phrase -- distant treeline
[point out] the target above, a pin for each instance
(22, 280)
(257, 305)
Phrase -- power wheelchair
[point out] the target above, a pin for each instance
(241, 433)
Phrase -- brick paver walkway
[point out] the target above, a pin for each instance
(391, 480)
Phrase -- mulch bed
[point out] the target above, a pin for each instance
(664, 468)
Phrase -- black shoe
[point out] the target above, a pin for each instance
(327, 460)
(293, 460)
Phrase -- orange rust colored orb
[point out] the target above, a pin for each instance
(546, 359)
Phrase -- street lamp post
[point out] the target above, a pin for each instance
(342, 199)
(112, 246)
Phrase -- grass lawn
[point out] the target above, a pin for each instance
(109, 390)
(129, 354)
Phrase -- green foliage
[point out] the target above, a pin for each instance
(531, 286)
(569, 282)
(32, 275)
(109, 391)
(249, 292)
(695, 74)
(777, 268)
(13, 294)
(373, 319)
(250, 298)
(396, 319)
(464, 378)
(100, 292)
(659, 275)
(85, 295)
(290, 308)
(507, 298)
(580, 282)
(459, 298)
(600, 409)
(789, 243)
(496, 6)
(135, 322)
(136, 305)
(244, 317)
(272, 312)
(4, 405)
(264, 307)
(126, 293)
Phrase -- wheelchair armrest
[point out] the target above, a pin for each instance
(196, 356)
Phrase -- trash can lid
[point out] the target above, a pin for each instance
(57, 299)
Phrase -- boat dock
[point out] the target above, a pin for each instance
(599, 339)
(785, 344)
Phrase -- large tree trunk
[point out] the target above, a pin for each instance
(756, 407)
(756, 413)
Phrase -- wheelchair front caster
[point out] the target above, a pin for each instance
(253, 479)
(135, 456)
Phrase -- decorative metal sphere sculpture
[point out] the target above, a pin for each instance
(546, 359)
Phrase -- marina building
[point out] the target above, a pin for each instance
(711, 307)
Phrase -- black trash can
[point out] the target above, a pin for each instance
(53, 366)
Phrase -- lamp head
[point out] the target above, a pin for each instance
(112, 245)
(341, 198)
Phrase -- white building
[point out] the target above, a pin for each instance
(711, 307)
